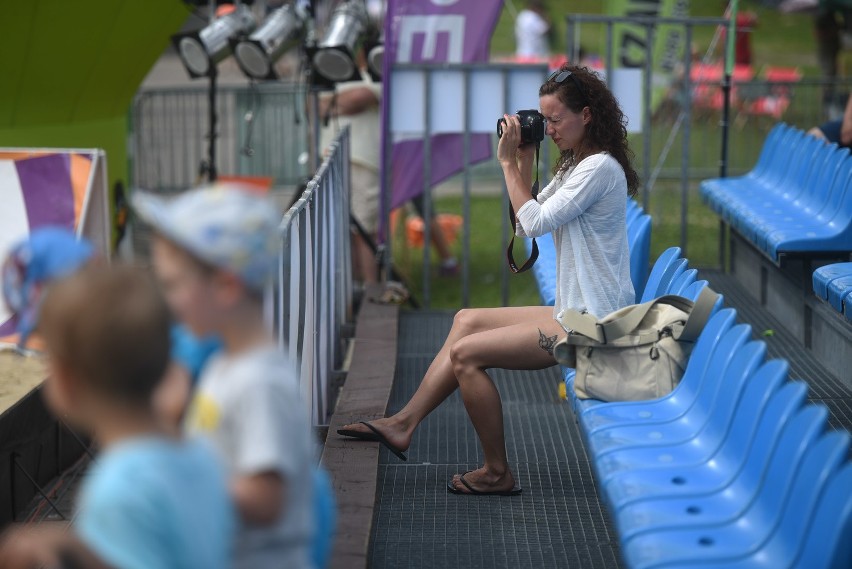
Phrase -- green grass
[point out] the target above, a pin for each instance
(487, 261)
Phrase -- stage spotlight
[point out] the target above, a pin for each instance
(201, 50)
(375, 55)
(283, 30)
(335, 56)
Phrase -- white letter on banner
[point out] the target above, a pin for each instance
(444, 2)
(430, 27)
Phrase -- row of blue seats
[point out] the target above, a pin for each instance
(796, 199)
(833, 283)
(731, 469)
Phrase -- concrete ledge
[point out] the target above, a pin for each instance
(787, 293)
(353, 465)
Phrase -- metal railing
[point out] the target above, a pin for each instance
(313, 301)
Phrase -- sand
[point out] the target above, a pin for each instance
(18, 376)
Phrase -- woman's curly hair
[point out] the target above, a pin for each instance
(608, 128)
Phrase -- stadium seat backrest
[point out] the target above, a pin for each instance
(693, 290)
(810, 480)
(679, 285)
(710, 338)
(667, 258)
(744, 412)
(795, 438)
(721, 393)
(770, 146)
(777, 419)
(828, 542)
(719, 364)
(639, 243)
(672, 272)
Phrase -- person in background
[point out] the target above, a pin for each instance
(152, 499)
(839, 131)
(356, 104)
(532, 31)
(214, 250)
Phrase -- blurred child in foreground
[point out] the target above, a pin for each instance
(214, 250)
(151, 499)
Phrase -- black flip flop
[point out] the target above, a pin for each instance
(375, 436)
(474, 492)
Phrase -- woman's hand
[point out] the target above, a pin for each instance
(509, 143)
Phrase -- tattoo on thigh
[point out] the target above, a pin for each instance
(546, 343)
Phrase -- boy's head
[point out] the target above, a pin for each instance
(49, 253)
(215, 248)
(106, 329)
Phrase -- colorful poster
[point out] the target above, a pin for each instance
(433, 31)
(630, 43)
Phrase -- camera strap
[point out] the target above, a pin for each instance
(534, 253)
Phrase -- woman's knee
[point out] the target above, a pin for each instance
(462, 357)
(465, 320)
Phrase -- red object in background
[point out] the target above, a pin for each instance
(742, 39)
(258, 184)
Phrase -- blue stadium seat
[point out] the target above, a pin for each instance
(833, 283)
(692, 291)
(739, 456)
(827, 543)
(664, 261)
(679, 285)
(652, 514)
(544, 269)
(824, 275)
(808, 455)
(639, 243)
(847, 306)
(675, 403)
(727, 377)
(795, 200)
(670, 275)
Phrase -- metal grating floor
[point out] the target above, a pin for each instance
(558, 521)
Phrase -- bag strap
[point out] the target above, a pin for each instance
(701, 312)
(534, 253)
(603, 332)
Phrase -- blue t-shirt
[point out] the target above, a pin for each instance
(192, 352)
(155, 502)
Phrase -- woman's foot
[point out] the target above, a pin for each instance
(394, 433)
(483, 481)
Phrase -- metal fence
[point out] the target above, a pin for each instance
(313, 301)
(262, 131)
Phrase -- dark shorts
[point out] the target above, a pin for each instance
(831, 130)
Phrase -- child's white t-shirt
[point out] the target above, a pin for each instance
(531, 35)
(248, 405)
(585, 208)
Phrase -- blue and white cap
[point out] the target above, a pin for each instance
(225, 225)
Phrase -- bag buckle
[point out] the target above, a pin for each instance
(602, 331)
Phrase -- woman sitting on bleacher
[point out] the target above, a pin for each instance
(584, 208)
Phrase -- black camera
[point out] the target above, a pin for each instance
(532, 126)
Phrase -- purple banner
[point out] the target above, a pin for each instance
(433, 31)
(48, 194)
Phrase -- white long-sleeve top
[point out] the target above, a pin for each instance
(585, 209)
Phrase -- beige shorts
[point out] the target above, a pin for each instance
(364, 200)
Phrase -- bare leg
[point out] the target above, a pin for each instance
(365, 267)
(440, 379)
(521, 346)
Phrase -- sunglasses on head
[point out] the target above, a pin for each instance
(560, 76)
